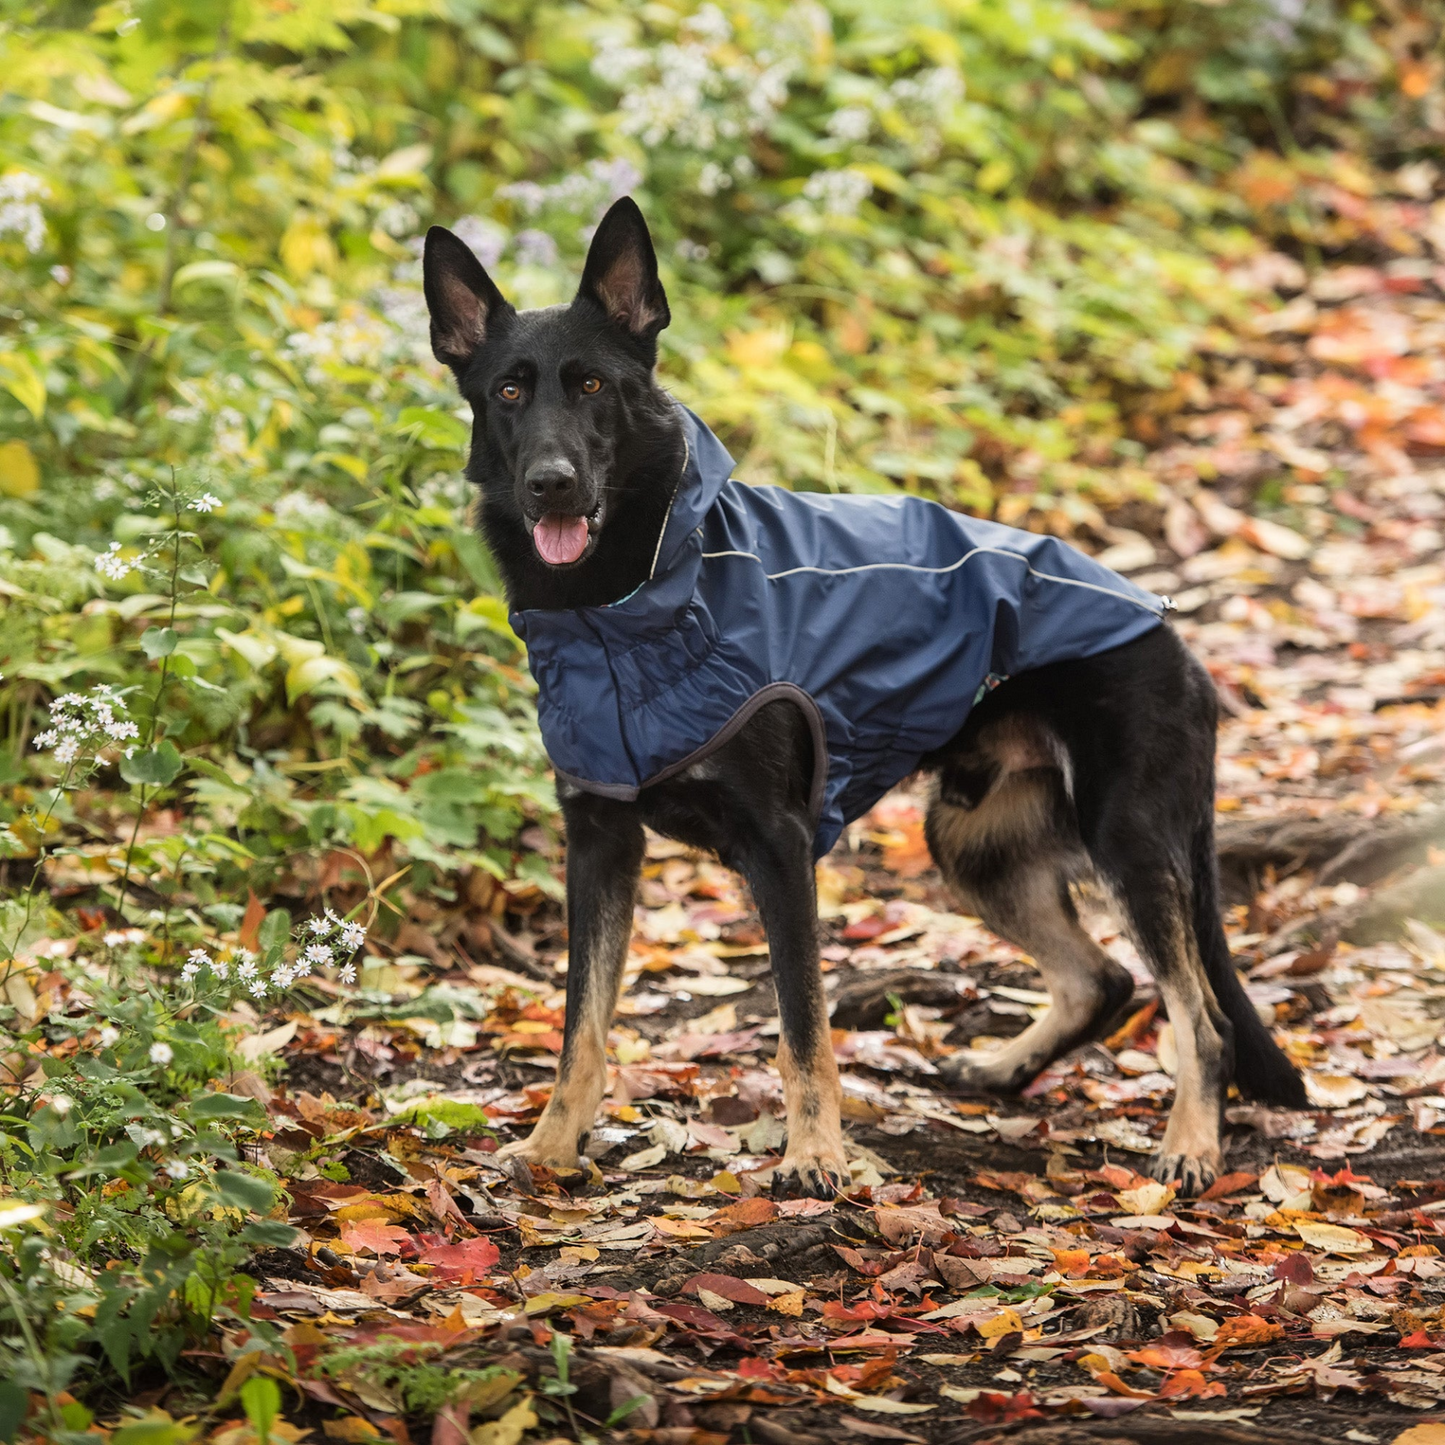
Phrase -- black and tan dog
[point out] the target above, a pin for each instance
(1099, 768)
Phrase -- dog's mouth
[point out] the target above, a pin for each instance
(561, 540)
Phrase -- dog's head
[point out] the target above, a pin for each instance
(564, 398)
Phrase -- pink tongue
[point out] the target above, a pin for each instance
(560, 539)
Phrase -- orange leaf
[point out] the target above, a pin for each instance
(1246, 1330)
(1228, 1184)
(373, 1235)
(745, 1213)
(249, 937)
(1192, 1384)
(1165, 1356)
(1111, 1381)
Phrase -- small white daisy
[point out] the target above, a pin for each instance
(161, 1053)
(353, 935)
(61, 1103)
(109, 1037)
(207, 502)
(348, 974)
(178, 1169)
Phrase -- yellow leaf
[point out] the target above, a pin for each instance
(307, 247)
(509, 1429)
(1005, 1322)
(681, 1228)
(882, 1405)
(14, 1215)
(541, 1304)
(23, 382)
(308, 674)
(788, 1304)
(1333, 1238)
(1432, 1432)
(352, 466)
(19, 473)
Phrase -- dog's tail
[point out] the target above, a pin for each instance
(1260, 1067)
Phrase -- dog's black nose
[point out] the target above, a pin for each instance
(551, 480)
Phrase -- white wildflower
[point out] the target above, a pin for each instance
(319, 955)
(353, 935)
(67, 750)
(318, 926)
(838, 193)
(190, 971)
(178, 1169)
(348, 974)
(20, 213)
(161, 1053)
(112, 565)
(109, 1037)
(61, 1103)
(258, 987)
(246, 970)
(851, 123)
(283, 977)
(220, 968)
(206, 502)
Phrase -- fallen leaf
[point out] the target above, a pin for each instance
(1246, 1330)
(375, 1237)
(1333, 1238)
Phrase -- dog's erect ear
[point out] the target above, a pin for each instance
(463, 300)
(621, 273)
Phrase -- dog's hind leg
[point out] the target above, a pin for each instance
(1005, 840)
(1157, 896)
(604, 857)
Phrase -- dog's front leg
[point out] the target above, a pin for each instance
(604, 857)
(778, 867)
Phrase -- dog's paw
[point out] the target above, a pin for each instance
(548, 1152)
(1193, 1173)
(971, 1078)
(810, 1176)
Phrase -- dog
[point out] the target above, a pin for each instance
(1088, 758)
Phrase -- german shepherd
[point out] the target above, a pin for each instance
(1100, 769)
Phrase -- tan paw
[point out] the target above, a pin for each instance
(540, 1149)
(1193, 1173)
(810, 1175)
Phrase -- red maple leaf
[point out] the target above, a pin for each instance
(465, 1262)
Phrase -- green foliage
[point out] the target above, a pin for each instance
(402, 1368)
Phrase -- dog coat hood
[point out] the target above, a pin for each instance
(884, 618)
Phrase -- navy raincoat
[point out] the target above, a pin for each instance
(884, 618)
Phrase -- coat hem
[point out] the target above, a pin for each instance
(773, 692)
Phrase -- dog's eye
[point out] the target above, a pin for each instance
(592, 385)
(509, 391)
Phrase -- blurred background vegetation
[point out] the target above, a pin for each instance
(976, 248)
